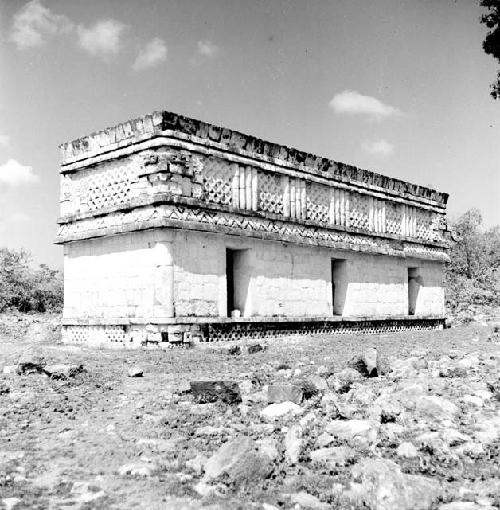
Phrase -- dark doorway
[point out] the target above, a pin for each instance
(230, 280)
(238, 273)
(414, 284)
(339, 285)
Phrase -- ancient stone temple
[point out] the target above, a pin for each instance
(175, 230)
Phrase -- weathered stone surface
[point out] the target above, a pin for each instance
(239, 459)
(305, 500)
(62, 371)
(277, 393)
(370, 363)
(293, 443)
(353, 430)
(275, 411)
(380, 485)
(436, 408)
(211, 391)
(135, 372)
(333, 456)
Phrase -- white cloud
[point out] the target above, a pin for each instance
(378, 147)
(153, 53)
(4, 140)
(13, 173)
(353, 103)
(34, 23)
(102, 38)
(207, 48)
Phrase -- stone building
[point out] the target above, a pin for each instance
(177, 230)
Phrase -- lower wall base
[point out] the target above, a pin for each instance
(186, 334)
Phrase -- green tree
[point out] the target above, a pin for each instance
(24, 288)
(473, 273)
(491, 43)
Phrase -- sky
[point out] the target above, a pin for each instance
(400, 87)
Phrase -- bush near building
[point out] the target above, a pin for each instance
(25, 288)
(473, 274)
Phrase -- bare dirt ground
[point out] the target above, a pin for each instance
(424, 435)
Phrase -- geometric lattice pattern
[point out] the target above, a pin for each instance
(113, 335)
(253, 331)
(270, 193)
(425, 230)
(359, 211)
(217, 180)
(318, 203)
(104, 187)
(393, 218)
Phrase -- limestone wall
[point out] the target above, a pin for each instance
(156, 275)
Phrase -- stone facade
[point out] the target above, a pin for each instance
(174, 228)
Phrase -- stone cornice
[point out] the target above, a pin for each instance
(167, 124)
(202, 219)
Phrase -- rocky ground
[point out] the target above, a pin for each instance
(390, 422)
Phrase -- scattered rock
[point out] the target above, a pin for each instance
(30, 363)
(9, 369)
(379, 484)
(240, 460)
(436, 408)
(465, 505)
(277, 393)
(234, 350)
(255, 348)
(211, 391)
(139, 469)
(318, 383)
(334, 456)
(62, 371)
(4, 388)
(10, 503)
(407, 450)
(135, 372)
(370, 363)
(355, 431)
(274, 411)
(305, 500)
(293, 443)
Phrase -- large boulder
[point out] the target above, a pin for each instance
(241, 461)
(379, 484)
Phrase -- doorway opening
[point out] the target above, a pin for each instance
(414, 284)
(339, 285)
(237, 281)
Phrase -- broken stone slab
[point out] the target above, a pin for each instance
(62, 371)
(240, 460)
(211, 391)
(276, 411)
(277, 393)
